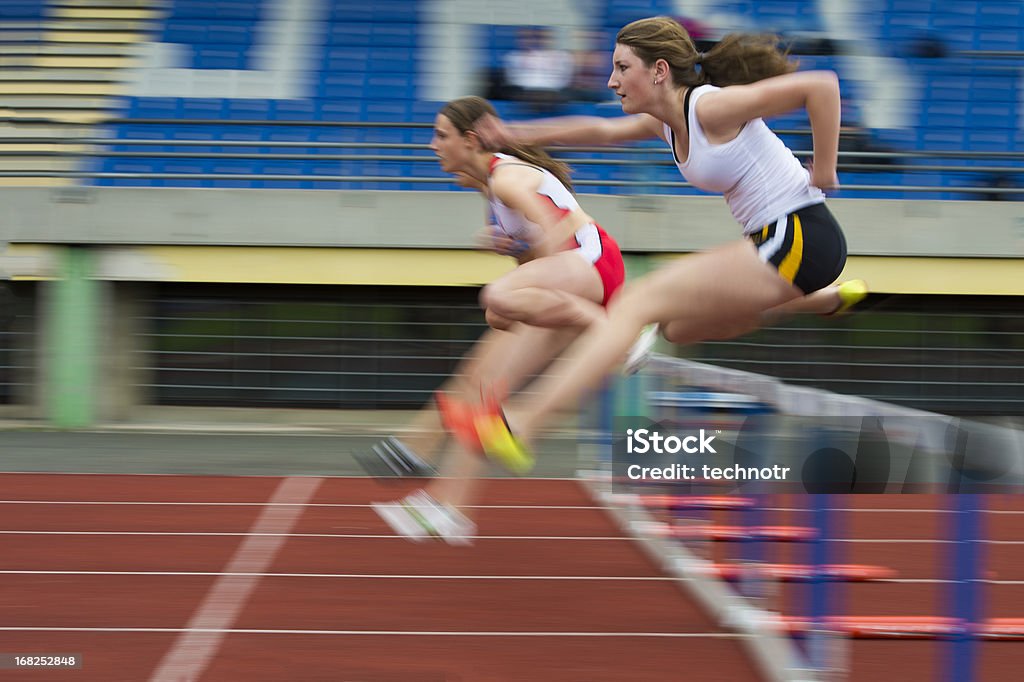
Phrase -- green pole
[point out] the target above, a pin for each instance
(75, 311)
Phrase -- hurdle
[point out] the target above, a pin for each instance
(675, 524)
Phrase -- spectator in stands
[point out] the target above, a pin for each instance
(568, 270)
(928, 45)
(589, 76)
(1010, 184)
(537, 72)
(709, 109)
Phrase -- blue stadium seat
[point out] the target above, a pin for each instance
(203, 108)
(154, 107)
(248, 110)
(376, 11)
(206, 58)
(292, 110)
(392, 111)
(218, 9)
(240, 134)
(368, 68)
(383, 86)
(348, 109)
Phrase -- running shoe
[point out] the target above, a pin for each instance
(498, 442)
(442, 520)
(391, 458)
(851, 293)
(419, 517)
(401, 520)
(642, 349)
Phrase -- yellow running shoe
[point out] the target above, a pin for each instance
(851, 293)
(500, 445)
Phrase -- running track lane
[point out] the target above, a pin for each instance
(908, 533)
(556, 594)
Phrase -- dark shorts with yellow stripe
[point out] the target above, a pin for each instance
(806, 246)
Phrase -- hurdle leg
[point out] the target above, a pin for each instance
(967, 591)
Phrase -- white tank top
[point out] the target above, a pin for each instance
(759, 176)
(515, 225)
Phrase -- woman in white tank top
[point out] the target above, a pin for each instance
(709, 109)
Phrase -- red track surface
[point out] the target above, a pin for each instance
(341, 599)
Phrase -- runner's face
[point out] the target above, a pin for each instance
(630, 79)
(451, 147)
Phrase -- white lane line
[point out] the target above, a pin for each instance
(351, 536)
(413, 576)
(370, 536)
(477, 506)
(395, 633)
(192, 652)
(266, 504)
(348, 576)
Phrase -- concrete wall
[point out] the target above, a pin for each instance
(446, 220)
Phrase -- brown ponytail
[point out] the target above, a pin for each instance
(737, 59)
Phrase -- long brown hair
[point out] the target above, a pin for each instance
(466, 111)
(737, 59)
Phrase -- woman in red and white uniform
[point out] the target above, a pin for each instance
(568, 270)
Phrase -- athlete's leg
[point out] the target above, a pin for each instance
(563, 290)
(825, 301)
(725, 287)
(459, 484)
(833, 299)
(502, 358)
(442, 509)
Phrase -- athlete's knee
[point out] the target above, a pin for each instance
(505, 302)
(495, 296)
(673, 332)
(496, 320)
(485, 296)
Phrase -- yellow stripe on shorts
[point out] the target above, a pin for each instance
(791, 263)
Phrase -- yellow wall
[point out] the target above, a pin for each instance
(435, 267)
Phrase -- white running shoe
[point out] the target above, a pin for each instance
(640, 352)
(442, 520)
(401, 520)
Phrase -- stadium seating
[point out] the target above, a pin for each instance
(368, 65)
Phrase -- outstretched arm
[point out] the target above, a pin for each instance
(568, 130)
(725, 111)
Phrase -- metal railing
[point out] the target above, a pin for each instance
(978, 174)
